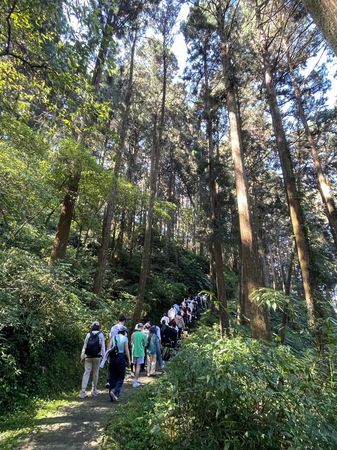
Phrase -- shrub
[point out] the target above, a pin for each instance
(235, 394)
(41, 327)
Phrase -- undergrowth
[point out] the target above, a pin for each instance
(233, 393)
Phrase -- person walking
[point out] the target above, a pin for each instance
(180, 324)
(115, 329)
(117, 363)
(165, 319)
(114, 332)
(138, 343)
(92, 351)
(152, 348)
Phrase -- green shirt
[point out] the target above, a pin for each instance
(138, 344)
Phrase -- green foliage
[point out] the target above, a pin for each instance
(236, 394)
(44, 315)
(42, 325)
(273, 299)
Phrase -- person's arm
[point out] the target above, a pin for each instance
(110, 338)
(84, 347)
(127, 352)
(102, 345)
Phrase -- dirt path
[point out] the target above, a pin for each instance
(77, 426)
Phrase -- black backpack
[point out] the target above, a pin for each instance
(114, 351)
(93, 349)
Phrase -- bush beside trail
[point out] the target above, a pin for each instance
(234, 394)
(43, 318)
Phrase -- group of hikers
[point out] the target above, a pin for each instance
(151, 346)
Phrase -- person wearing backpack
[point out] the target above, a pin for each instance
(114, 332)
(152, 348)
(92, 351)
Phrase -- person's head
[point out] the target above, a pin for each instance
(147, 325)
(172, 323)
(153, 329)
(122, 318)
(96, 326)
(139, 327)
(163, 322)
(122, 330)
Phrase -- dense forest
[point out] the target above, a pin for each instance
(131, 178)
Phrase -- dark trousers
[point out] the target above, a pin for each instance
(117, 368)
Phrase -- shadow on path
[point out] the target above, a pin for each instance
(77, 426)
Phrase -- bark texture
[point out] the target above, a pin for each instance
(216, 238)
(293, 198)
(324, 13)
(323, 184)
(251, 279)
(60, 243)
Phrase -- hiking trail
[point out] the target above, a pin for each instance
(79, 425)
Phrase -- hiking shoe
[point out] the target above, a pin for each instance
(135, 384)
(114, 396)
(83, 395)
(95, 392)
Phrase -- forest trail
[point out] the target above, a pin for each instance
(80, 425)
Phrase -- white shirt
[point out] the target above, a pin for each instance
(165, 319)
(171, 313)
(115, 329)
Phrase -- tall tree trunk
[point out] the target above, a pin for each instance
(155, 158)
(324, 13)
(287, 288)
(122, 229)
(171, 197)
(132, 234)
(216, 237)
(63, 228)
(145, 267)
(322, 183)
(109, 211)
(212, 276)
(103, 49)
(258, 316)
(295, 210)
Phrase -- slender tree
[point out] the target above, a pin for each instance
(252, 278)
(323, 185)
(266, 39)
(109, 210)
(60, 242)
(167, 17)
